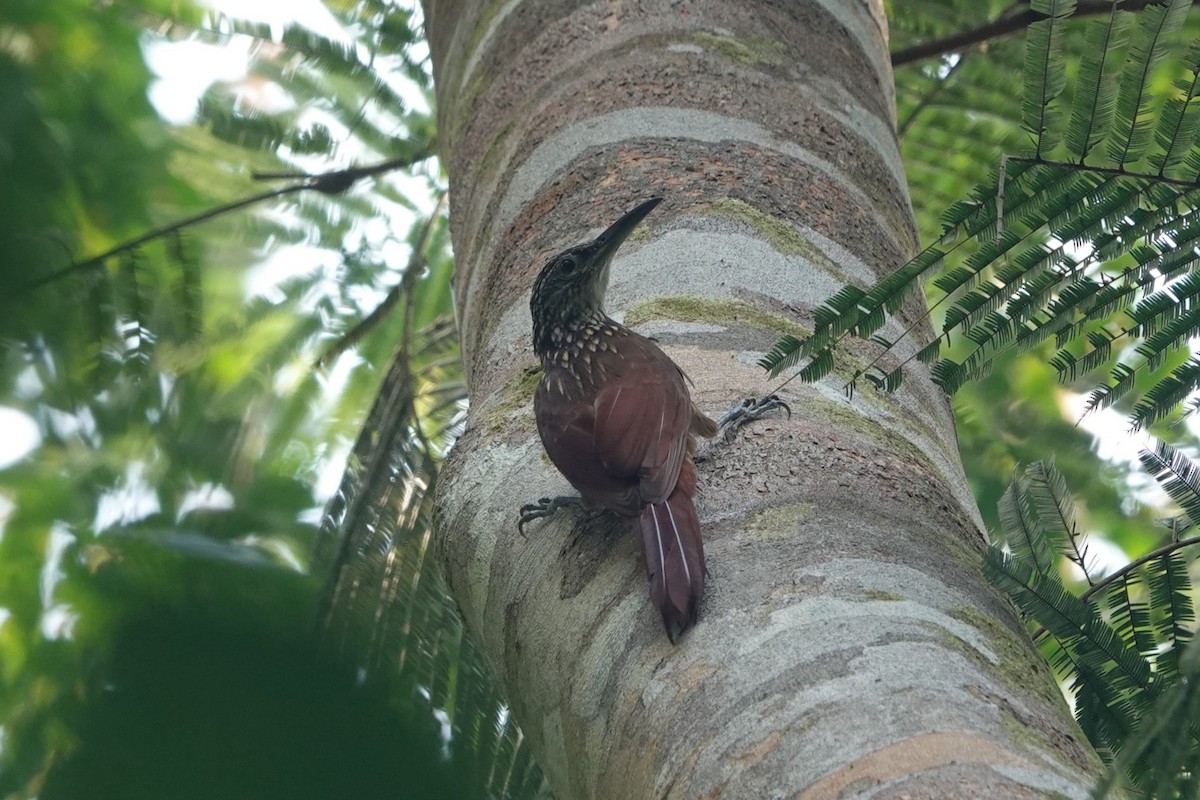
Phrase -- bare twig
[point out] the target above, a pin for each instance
(412, 271)
(1166, 549)
(1113, 171)
(327, 183)
(1004, 26)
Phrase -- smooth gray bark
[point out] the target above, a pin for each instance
(849, 645)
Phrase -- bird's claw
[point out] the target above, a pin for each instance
(751, 408)
(543, 507)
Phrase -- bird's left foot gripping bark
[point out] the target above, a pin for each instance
(748, 410)
(545, 507)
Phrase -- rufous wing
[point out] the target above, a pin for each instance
(641, 429)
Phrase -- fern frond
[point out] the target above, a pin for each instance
(783, 355)
(947, 374)
(1070, 218)
(1069, 366)
(1067, 247)
(817, 368)
(1085, 217)
(1150, 266)
(1162, 398)
(1160, 307)
(1141, 222)
(871, 321)
(190, 289)
(1133, 114)
(1162, 758)
(1021, 529)
(1192, 407)
(886, 382)
(845, 310)
(1055, 507)
(1044, 599)
(1167, 577)
(1103, 396)
(1104, 715)
(1045, 76)
(1172, 335)
(999, 332)
(133, 323)
(1179, 121)
(830, 317)
(1129, 614)
(1179, 476)
(930, 352)
(972, 307)
(1095, 94)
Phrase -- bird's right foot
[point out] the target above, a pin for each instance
(544, 508)
(747, 410)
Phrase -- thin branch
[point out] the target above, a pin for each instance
(1166, 549)
(1113, 171)
(1004, 26)
(1108, 580)
(929, 97)
(157, 233)
(339, 180)
(412, 271)
(327, 183)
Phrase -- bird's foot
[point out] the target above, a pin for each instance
(748, 410)
(544, 508)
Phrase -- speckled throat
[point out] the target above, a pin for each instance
(584, 351)
(565, 338)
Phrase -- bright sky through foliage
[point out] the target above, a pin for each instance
(186, 69)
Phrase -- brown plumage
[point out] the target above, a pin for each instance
(616, 418)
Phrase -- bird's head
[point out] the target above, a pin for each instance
(570, 288)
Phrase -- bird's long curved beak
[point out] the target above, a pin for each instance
(608, 242)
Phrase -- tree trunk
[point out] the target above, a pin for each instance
(848, 644)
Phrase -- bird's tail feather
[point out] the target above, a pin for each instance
(670, 536)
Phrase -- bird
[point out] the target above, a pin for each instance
(615, 415)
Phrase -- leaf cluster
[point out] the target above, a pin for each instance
(1123, 647)
(1084, 239)
(174, 380)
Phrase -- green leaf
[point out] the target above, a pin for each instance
(1134, 117)
(1043, 598)
(1022, 530)
(1095, 93)
(1171, 604)
(1179, 476)
(1164, 397)
(1045, 77)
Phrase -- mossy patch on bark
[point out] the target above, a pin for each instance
(780, 522)
(727, 313)
(1019, 665)
(516, 394)
(781, 236)
(749, 49)
(778, 234)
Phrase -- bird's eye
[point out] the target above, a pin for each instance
(568, 265)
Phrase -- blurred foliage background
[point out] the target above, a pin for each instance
(171, 443)
(958, 113)
(213, 579)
